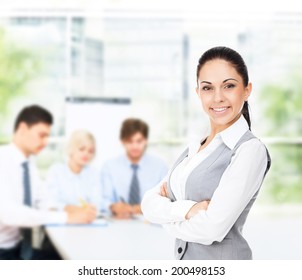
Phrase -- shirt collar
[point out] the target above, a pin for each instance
(231, 135)
(195, 140)
(140, 163)
(17, 154)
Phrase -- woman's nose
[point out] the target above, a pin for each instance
(218, 96)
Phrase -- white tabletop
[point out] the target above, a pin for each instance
(119, 239)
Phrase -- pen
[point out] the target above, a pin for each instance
(83, 203)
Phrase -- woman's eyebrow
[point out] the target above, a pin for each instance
(229, 79)
(206, 82)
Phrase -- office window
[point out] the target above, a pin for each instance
(151, 58)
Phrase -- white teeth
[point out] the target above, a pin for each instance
(220, 109)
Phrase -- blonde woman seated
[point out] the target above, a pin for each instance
(75, 185)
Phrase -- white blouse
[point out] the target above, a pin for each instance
(68, 188)
(239, 182)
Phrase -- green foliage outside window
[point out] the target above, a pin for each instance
(283, 114)
(18, 66)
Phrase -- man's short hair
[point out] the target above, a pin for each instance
(131, 126)
(32, 115)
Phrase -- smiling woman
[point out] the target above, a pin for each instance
(223, 85)
(205, 198)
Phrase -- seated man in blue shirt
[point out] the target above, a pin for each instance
(126, 178)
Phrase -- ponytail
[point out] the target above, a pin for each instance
(246, 114)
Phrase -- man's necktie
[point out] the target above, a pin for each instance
(26, 245)
(134, 193)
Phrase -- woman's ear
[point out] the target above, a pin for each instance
(248, 91)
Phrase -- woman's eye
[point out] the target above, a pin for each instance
(229, 86)
(206, 88)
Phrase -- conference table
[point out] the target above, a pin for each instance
(112, 239)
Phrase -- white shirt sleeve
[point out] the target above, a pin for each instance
(107, 189)
(13, 213)
(95, 192)
(237, 186)
(160, 210)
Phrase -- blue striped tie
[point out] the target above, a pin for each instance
(134, 193)
(26, 246)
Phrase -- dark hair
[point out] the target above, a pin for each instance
(235, 59)
(32, 115)
(131, 126)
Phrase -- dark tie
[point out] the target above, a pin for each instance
(134, 193)
(26, 246)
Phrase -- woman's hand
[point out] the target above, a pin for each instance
(164, 190)
(80, 215)
(203, 205)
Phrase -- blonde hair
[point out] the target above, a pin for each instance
(77, 138)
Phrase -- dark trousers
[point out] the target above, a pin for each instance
(46, 253)
(10, 254)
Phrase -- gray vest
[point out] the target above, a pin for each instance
(200, 185)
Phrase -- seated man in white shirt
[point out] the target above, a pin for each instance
(127, 177)
(24, 202)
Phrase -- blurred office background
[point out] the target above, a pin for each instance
(149, 54)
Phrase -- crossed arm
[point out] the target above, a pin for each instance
(206, 222)
(202, 205)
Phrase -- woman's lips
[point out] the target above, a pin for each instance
(220, 110)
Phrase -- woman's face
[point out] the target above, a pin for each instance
(84, 153)
(222, 92)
